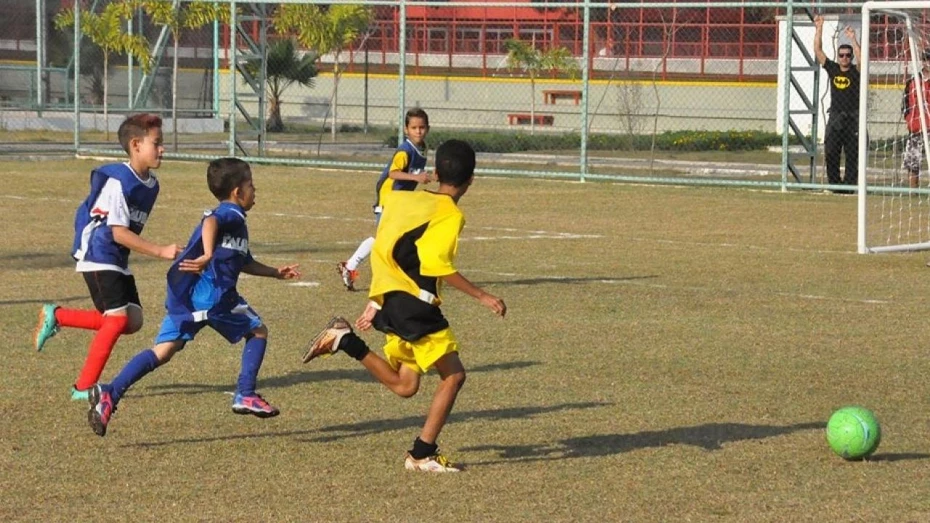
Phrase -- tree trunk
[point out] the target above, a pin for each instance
(275, 123)
(532, 104)
(174, 96)
(106, 95)
(332, 102)
(668, 31)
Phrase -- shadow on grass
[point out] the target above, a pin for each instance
(37, 301)
(711, 436)
(301, 377)
(302, 250)
(901, 456)
(543, 281)
(365, 428)
(354, 430)
(35, 260)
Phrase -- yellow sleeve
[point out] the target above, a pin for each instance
(439, 244)
(399, 162)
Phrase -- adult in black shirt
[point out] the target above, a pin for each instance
(843, 124)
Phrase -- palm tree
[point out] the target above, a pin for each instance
(325, 30)
(525, 55)
(106, 31)
(177, 16)
(284, 69)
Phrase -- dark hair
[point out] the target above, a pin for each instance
(845, 46)
(137, 126)
(416, 112)
(225, 174)
(455, 162)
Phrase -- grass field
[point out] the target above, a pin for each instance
(670, 354)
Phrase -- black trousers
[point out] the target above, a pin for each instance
(842, 138)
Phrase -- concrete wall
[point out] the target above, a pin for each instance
(484, 103)
(619, 106)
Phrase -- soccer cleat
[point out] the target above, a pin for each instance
(47, 326)
(435, 463)
(348, 276)
(80, 395)
(327, 341)
(254, 405)
(101, 408)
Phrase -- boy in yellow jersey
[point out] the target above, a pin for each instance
(413, 255)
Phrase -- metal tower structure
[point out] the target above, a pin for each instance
(245, 52)
(810, 101)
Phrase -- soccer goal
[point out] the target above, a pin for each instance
(894, 151)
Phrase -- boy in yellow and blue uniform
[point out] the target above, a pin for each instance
(406, 169)
(202, 292)
(414, 254)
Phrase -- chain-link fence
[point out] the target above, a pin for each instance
(684, 91)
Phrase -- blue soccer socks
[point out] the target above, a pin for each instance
(140, 365)
(252, 355)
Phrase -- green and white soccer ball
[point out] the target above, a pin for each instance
(853, 433)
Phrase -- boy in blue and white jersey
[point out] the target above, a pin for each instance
(202, 292)
(406, 169)
(107, 226)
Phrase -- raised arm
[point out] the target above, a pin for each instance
(857, 51)
(818, 40)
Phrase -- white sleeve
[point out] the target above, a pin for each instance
(112, 203)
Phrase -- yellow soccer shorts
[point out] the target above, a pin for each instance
(422, 354)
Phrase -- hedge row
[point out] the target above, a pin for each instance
(503, 142)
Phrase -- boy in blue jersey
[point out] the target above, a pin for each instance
(107, 226)
(405, 170)
(202, 292)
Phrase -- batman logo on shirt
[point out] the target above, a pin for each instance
(841, 82)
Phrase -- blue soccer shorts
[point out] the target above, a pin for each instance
(233, 325)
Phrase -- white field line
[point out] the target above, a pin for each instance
(511, 233)
(304, 284)
(514, 234)
(726, 245)
(692, 288)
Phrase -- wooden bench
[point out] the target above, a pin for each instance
(551, 95)
(525, 118)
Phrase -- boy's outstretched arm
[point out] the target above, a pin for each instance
(208, 238)
(134, 242)
(488, 300)
(397, 172)
(420, 177)
(286, 272)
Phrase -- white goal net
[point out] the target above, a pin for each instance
(894, 182)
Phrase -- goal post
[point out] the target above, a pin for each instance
(893, 204)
